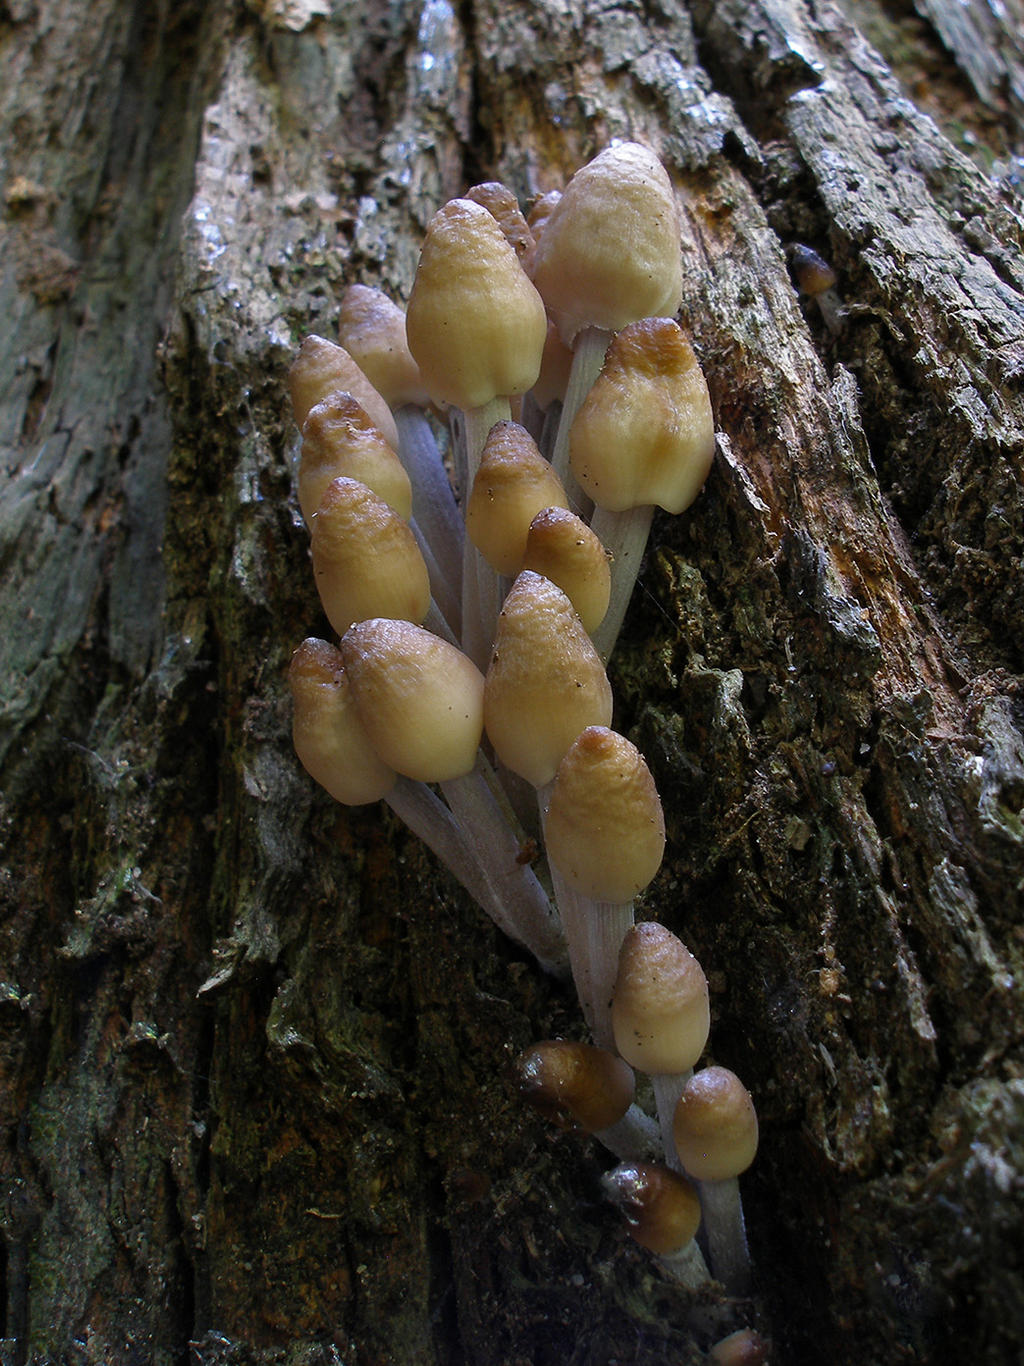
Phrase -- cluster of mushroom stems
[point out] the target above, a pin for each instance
(538, 371)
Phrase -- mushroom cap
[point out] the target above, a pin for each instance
(328, 736)
(661, 1208)
(512, 484)
(645, 433)
(503, 206)
(609, 250)
(338, 439)
(322, 368)
(660, 1011)
(366, 562)
(371, 327)
(591, 1084)
(420, 699)
(604, 828)
(475, 323)
(715, 1125)
(565, 550)
(545, 682)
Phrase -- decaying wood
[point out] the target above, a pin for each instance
(255, 1049)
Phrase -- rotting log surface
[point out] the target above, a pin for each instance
(255, 1049)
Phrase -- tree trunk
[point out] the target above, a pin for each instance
(256, 1047)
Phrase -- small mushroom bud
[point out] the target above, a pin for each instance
(475, 323)
(660, 1011)
(328, 736)
(513, 483)
(322, 368)
(715, 1125)
(419, 698)
(662, 1212)
(338, 439)
(366, 562)
(591, 1085)
(371, 327)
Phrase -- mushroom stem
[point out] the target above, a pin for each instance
(587, 358)
(634, 1138)
(624, 537)
(726, 1233)
(443, 590)
(518, 903)
(667, 1088)
(433, 504)
(481, 588)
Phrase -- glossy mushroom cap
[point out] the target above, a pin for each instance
(338, 439)
(661, 1208)
(591, 1085)
(322, 368)
(645, 434)
(475, 323)
(545, 682)
(366, 562)
(328, 736)
(715, 1125)
(609, 251)
(565, 550)
(512, 484)
(604, 828)
(420, 699)
(660, 1011)
(371, 327)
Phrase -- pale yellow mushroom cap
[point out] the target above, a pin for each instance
(371, 327)
(338, 439)
(591, 1084)
(660, 1012)
(645, 433)
(604, 830)
(566, 551)
(475, 323)
(322, 368)
(419, 698)
(545, 682)
(661, 1208)
(715, 1125)
(366, 562)
(609, 251)
(328, 736)
(512, 484)
(502, 205)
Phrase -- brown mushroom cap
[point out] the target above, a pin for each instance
(609, 251)
(661, 1207)
(645, 433)
(322, 368)
(604, 828)
(545, 682)
(591, 1084)
(329, 738)
(420, 699)
(512, 484)
(715, 1125)
(475, 323)
(371, 327)
(338, 439)
(660, 1011)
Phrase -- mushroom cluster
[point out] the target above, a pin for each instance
(476, 584)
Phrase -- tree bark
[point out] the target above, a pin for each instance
(256, 1048)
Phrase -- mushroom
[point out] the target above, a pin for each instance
(715, 1129)
(565, 550)
(817, 280)
(371, 327)
(338, 438)
(322, 368)
(662, 1213)
(593, 1087)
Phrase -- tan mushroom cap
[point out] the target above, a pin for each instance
(366, 562)
(591, 1084)
(339, 440)
(715, 1125)
(512, 484)
(645, 433)
(323, 368)
(604, 829)
(565, 550)
(545, 682)
(328, 736)
(661, 1208)
(660, 1011)
(475, 323)
(419, 698)
(503, 206)
(371, 327)
(609, 251)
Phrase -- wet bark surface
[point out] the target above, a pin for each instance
(256, 1048)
